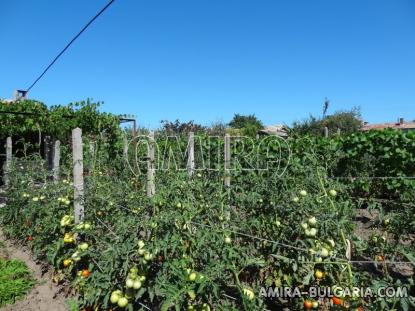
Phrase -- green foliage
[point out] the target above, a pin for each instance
(179, 128)
(249, 125)
(56, 121)
(15, 281)
(347, 121)
(187, 223)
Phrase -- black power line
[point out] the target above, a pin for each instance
(69, 44)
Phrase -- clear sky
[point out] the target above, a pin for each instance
(205, 60)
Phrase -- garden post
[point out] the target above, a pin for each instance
(78, 174)
(56, 160)
(9, 149)
(92, 156)
(125, 147)
(151, 189)
(227, 160)
(326, 132)
(91, 148)
(191, 155)
(47, 153)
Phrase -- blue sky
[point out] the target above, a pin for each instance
(205, 60)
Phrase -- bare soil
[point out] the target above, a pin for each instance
(45, 296)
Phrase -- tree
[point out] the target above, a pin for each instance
(248, 125)
(217, 129)
(347, 121)
(180, 128)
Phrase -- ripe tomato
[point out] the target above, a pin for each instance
(161, 258)
(337, 301)
(319, 274)
(381, 258)
(85, 273)
(67, 262)
(308, 304)
(30, 238)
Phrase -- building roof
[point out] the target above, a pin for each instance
(400, 125)
(278, 129)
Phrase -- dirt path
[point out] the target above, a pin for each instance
(45, 295)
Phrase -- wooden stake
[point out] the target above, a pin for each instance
(8, 164)
(151, 188)
(227, 160)
(56, 160)
(47, 153)
(191, 155)
(78, 174)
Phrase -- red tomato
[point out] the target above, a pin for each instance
(30, 238)
(86, 273)
(337, 301)
(308, 304)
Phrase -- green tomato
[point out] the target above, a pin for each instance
(192, 294)
(248, 293)
(137, 285)
(333, 192)
(129, 283)
(324, 252)
(313, 232)
(83, 246)
(312, 221)
(192, 276)
(148, 256)
(114, 297)
(303, 193)
(122, 302)
(228, 240)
